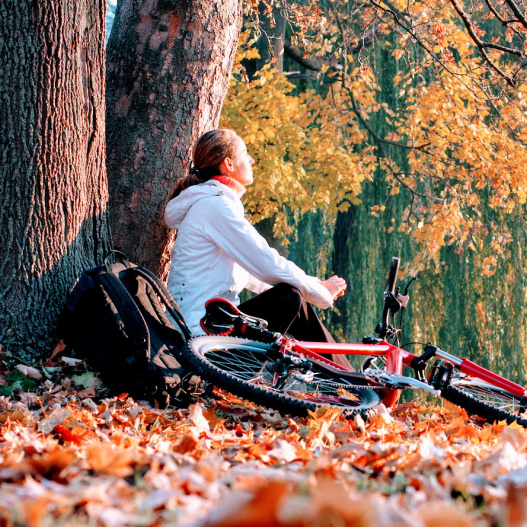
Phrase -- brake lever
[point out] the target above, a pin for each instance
(404, 298)
(408, 285)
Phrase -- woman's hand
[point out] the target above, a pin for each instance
(335, 285)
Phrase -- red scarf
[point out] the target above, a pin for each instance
(238, 188)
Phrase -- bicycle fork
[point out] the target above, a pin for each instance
(465, 366)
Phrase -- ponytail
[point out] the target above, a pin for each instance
(210, 150)
(184, 183)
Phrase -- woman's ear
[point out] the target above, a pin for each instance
(227, 166)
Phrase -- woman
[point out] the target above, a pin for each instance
(218, 253)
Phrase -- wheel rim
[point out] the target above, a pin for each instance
(491, 395)
(250, 363)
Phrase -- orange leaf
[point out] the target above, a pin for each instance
(66, 435)
(261, 510)
(59, 348)
(440, 514)
(187, 444)
(51, 464)
(108, 460)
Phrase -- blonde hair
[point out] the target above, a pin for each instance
(210, 150)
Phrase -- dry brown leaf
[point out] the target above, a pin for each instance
(195, 414)
(516, 435)
(34, 510)
(187, 444)
(59, 348)
(515, 514)
(51, 464)
(441, 514)
(106, 459)
(382, 472)
(70, 361)
(29, 371)
(259, 510)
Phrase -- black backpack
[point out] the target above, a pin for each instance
(114, 319)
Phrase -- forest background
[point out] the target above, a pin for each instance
(379, 129)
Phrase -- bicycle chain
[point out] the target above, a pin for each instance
(369, 386)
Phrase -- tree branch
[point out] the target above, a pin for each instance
(415, 37)
(517, 13)
(372, 132)
(312, 63)
(505, 49)
(315, 63)
(354, 104)
(397, 177)
(504, 22)
(472, 33)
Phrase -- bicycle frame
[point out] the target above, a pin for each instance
(395, 359)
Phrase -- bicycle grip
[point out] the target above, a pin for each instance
(392, 276)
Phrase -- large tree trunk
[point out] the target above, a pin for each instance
(52, 161)
(169, 65)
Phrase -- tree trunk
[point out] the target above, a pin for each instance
(52, 169)
(169, 65)
(270, 44)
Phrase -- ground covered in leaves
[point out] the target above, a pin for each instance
(70, 458)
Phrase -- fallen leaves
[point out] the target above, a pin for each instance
(106, 459)
(29, 371)
(68, 457)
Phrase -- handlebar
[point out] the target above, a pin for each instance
(390, 301)
(392, 276)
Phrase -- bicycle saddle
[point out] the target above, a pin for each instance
(223, 318)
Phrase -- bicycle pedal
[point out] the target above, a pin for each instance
(440, 374)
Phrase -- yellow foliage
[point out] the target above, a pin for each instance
(303, 146)
(313, 153)
(470, 153)
(474, 155)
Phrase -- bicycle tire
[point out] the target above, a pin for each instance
(487, 401)
(241, 366)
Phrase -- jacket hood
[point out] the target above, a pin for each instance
(177, 208)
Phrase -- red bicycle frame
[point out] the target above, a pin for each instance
(395, 359)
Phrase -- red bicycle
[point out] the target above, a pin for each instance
(292, 376)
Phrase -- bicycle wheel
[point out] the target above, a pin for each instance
(247, 368)
(487, 401)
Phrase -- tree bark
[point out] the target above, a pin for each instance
(52, 161)
(169, 64)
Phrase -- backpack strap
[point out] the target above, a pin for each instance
(129, 318)
(164, 295)
(118, 257)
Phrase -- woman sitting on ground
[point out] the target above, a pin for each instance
(218, 253)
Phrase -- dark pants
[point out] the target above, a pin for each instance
(287, 312)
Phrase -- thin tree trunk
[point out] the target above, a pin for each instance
(52, 161)
(270, 47)
(169, 65)
(270, 44)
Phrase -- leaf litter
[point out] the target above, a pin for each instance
(71, 457)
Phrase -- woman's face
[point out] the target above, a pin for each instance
(242, 165)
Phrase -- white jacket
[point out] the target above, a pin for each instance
(218, 253)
